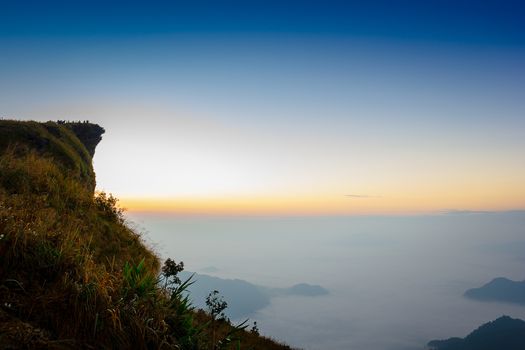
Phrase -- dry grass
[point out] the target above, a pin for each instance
(63, 251)
(72, 274)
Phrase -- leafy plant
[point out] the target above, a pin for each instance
(107, 204)
(138, 281)
(170, 270)
(216, 305)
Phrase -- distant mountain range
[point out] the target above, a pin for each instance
(504, 333)
(246, 297)
(499, 289)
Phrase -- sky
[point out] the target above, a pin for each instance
(282, 107)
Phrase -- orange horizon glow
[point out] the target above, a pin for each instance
(310, 205)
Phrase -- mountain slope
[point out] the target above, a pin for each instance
(499, 289)
(73, 275)
(503, 333)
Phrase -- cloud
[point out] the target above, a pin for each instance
(462, 212)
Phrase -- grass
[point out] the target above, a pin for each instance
(72, 273)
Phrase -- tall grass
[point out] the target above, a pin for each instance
(74, 275)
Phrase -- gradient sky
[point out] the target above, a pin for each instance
(298, 107)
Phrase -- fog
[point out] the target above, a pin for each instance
(393, 282)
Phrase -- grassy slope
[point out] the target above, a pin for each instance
(72, 274)
(53, 140)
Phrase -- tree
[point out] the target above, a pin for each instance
(216, 306)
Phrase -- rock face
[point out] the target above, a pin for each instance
(89, 134)
(504, 333)
(499, 289)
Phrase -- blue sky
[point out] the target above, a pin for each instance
(482, 22)
(412, 102)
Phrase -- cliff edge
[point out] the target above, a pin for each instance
(73, 275)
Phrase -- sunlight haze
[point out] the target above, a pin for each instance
(246, 121)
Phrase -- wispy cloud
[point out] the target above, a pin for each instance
(462, 212)
(361, 196)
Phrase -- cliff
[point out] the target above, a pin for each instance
(71, 146)
(72, 273)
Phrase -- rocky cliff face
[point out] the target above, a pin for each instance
(89, 134)
(70, 145)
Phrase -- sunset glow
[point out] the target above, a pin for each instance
(287, 116)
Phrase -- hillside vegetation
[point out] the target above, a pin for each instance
(72, 273)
